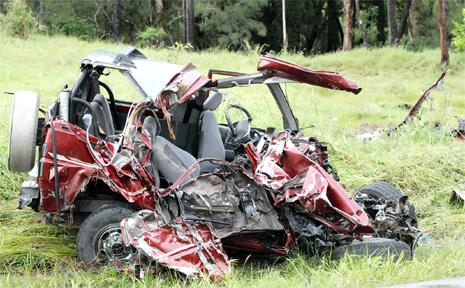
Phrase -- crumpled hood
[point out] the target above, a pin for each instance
(286, 169)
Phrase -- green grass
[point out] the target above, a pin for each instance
(427, 164)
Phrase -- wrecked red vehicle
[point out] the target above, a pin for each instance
(160, 181)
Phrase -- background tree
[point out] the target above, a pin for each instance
(403, 19)
(392, 22)
(312, 26)
(348, 24)
(360, 24)
(40, 14)
(233, 24)
(19, 20)
(115, 20)
(333, 26)
(381, 22)
(188, 7)
(443, 33)
(283, 12)
(412, 21)
(458, 33)
(159, 11)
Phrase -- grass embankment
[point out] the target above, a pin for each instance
(426, 163)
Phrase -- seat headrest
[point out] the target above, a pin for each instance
(213, 101)
(151, 126)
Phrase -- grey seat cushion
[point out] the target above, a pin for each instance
(210, 142)
(172, 161)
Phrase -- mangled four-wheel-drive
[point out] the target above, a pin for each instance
(161, 181)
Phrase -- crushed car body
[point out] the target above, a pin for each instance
(162, 176)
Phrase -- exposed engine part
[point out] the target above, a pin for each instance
(391, 219)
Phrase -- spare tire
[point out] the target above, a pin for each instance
(373, 247)
(23, 130)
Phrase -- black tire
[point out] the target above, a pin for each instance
(99, 223)
(382, 189)
(373, 247)
(387, 191)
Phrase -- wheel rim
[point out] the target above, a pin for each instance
(110, 245)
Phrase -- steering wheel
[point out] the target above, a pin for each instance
(240, 130)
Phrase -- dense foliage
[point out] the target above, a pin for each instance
(459, 33)
(18, 20)
(313, 26)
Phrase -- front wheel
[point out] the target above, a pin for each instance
(99, 238)
(383, 190)
(392, 214)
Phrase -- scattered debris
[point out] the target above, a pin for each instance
(405, 106)
(457, 197)
(368, 132)
(424, 239)
(459, 133)
(413, 113)
(368, 136)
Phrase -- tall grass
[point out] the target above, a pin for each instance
(424, 162)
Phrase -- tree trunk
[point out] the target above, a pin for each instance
(285, 41)
(115, 20)
(40, 15)
(443, 33)
(392, 22)
(188, 21)
(403, 18)
(348, 42)
(334, 39)
(104, 20)
(159, 10)
(381, 22)
(360, 25)
(317, 25)
(412, 20)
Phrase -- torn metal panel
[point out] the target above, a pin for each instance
(182, 86)
(279, 68)
(78, 166)
(182, 245)
(29, 192)
(285, 168)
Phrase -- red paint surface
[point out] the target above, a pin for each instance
(77, 167)
(283, 69)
